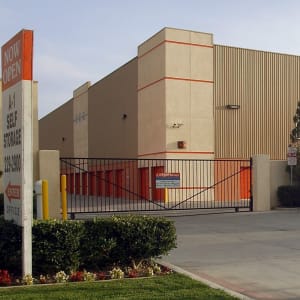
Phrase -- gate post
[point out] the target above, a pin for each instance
(261, 183)
(49, 169)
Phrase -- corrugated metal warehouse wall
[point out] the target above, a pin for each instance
(266, 86)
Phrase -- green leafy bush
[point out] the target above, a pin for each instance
(94, 244)
(56, 246)
(10, 246)
(126, 240)
(141, 237)
(289, 195)
(97, 243)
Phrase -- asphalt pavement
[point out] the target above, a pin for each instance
(250, 255)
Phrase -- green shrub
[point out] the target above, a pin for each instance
(10, 246)
(126, 240)
(289, 195)
(142, 237)
(55, 246)
(94, 244)
(97, 244)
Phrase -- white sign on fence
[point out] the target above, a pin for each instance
(167, 180)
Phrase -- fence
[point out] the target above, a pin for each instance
(122, 185)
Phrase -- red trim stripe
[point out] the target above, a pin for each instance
(189, 44)
(174, 78)
(175, 42)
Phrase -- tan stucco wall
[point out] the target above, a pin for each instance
(113, 114)
(151, 96)
(261, 182)
(49, 169)
(80, 121)
(175, 95)
(56, 130)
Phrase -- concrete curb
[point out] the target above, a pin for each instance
(205, 281)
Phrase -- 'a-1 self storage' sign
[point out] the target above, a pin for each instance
(16, 57)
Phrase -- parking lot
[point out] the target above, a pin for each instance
(254, 254)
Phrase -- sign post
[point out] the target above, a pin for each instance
(16, 57)
(292, 159)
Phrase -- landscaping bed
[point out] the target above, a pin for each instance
(147, 269)
(99, 249)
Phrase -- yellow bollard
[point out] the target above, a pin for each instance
(64, 196)
(166, 195)
(45, 199)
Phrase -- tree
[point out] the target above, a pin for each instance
(295, 141)
(295, 133)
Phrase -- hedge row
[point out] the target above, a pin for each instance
(93, 245)
(289, 195)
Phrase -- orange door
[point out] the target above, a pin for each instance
(119, 182)
(84, 183)
(245, 182)
(157, 194)
(77, 183)
(92, 183)
(109, 183)
(72, 183)
(99, 183)
(144, 183)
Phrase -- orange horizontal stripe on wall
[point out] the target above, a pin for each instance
(178, 152)
(175, 78)
(175, 42)
(189, 44)
(192, 188)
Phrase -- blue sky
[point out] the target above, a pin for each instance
(78, 41)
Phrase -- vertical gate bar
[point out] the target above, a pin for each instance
(206, 181)
(191, 186)
(148, 194)
(201, 181)
(104, 185)
(96, 184)
(101, 184)
(132, 187)
(212, 170)
(124, 194)
(218, 169)
(251, 186)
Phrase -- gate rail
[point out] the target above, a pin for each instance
(96, 185)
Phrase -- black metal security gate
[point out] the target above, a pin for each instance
(126, 185)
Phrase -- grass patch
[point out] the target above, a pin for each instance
(174, 286)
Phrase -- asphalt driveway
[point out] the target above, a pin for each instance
(253, 254)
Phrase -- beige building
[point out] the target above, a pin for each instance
(181, 97)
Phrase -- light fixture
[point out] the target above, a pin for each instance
(232, 106)
(176, 125)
